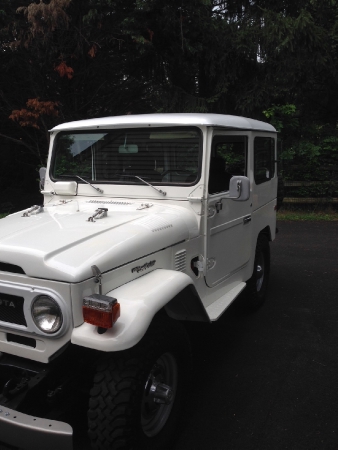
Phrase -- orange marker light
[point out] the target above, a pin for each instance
(100, 310)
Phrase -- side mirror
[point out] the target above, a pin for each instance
(239, 188)
(42, 173)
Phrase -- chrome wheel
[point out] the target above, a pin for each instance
(258, 283)
(260, 270)
(159, 395)
(136, 401)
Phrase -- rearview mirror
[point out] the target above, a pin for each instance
(130, 148)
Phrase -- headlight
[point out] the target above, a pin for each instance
(46, 314)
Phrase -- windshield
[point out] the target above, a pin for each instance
(159, 156)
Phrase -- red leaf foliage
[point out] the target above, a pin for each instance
(29, 117)
(92, 51)
(64, 71)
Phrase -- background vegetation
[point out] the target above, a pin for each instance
(64, 60)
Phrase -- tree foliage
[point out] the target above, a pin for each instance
(35, 111)
(65, 60)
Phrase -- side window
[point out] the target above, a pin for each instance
(228, 158)
(264, 159)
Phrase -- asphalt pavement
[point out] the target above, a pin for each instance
(269, 380)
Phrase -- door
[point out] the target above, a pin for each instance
(229, 225)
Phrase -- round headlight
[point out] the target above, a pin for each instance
(46, 314)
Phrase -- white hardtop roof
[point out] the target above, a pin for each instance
(163, 120)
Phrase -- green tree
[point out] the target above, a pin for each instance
(93, 58)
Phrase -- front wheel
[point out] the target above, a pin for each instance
(135, 402)
(258, 283)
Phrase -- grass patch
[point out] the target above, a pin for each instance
(2, 215)
(328, 215)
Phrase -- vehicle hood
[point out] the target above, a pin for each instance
(60, 243)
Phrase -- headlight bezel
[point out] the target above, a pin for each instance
(53, 304)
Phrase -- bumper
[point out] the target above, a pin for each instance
(27, 432)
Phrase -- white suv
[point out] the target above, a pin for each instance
(148, 221)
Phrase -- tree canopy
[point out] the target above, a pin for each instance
(64, 60)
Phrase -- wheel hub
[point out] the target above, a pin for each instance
(260, 274)
(159, 394)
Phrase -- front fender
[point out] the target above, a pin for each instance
(140, 300)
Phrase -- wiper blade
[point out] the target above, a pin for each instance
(146, 182)
(154, 187)
(85, 181)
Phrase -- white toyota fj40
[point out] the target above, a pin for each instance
(148, 221)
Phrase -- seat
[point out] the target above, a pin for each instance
(219, 179)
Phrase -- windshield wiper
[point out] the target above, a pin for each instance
(146, 182)
(85, 181)
(154, 187)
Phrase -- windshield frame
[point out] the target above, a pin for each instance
(134, 181)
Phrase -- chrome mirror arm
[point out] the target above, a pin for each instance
(219, 205)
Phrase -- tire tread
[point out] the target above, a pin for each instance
(117, 386)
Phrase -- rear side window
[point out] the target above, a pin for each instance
(264, 159)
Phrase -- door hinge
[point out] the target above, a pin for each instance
(219, 205)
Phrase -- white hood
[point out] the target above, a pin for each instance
(61, 244)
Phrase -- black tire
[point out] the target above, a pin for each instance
(257, 285)
(124, 412)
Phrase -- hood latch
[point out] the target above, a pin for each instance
(145, 206)
(99, 214)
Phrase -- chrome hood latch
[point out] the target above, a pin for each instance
(99, 214)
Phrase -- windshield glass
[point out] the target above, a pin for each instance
(159, 156)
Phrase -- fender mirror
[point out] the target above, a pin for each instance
(42, 173)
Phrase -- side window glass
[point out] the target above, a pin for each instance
(228, 158)
(264, 159)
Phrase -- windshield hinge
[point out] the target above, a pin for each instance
(36, 209)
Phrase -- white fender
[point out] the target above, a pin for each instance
(140, 300)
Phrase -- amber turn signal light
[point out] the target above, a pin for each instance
(100, 310)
